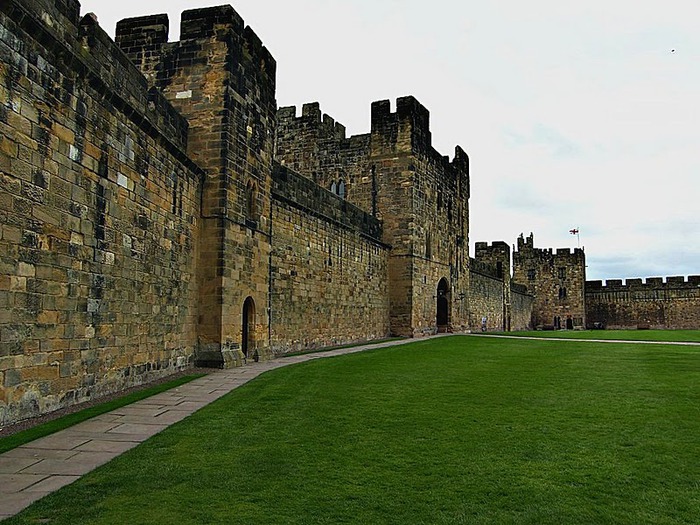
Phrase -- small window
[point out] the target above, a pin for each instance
(334, 188)
(499, 269)
(250, 204)
(562, 273)
(341, 189)
(562, 293)
(531, 274)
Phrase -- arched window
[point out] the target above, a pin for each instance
(334, 188)
(341, 188)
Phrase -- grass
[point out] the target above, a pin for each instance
(624, 335)
(450, 430)
(44, 429)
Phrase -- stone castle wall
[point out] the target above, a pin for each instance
(328, 269)
(520, 307)
(653, 303)
(99, 207)
(487, 298)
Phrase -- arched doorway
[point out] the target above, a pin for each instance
(443, 305)
(248, 322)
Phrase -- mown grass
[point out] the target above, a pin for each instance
(44, 429)
(622, 335)
(450, 430)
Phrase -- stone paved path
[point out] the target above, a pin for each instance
(32, 471)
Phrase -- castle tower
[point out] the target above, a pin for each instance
(421, 197)
(222, 79)
(557, 282)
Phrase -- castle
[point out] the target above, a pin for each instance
(158, 210)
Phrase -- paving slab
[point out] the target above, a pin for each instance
(112, 436)
(17, 482)
(10, 465)
(137, 428)
(103, 445)
(137, 410)
(81, 463)
(163, 401)
(16, 502)
(94, 425)
(59, 441)
(26, 451)
(51, 484)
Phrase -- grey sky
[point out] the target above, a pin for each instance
(574, 114)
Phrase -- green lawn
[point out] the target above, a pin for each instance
(448, 430)
(625, 335)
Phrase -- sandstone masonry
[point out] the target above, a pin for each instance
(157, 210)
(652, 303)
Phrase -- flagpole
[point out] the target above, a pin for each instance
(577, 232)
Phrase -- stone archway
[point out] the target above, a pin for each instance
(443, 306)
(248, 331)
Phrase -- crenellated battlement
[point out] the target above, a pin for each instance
(142, 38)
(483, 268)
(495, 245)
(650, 283)
(408, 126)
(461, 160)
(142, 31)
(207, 21)
(526, 249)
(311, 117)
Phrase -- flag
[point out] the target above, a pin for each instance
(574, 231)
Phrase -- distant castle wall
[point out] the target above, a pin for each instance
(487, 298)
(653, 303)
(328, 268)
(521, 308)
(100, 207)
(506, 305)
